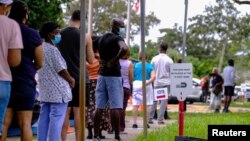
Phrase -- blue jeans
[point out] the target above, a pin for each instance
(109, 89)
(4, 100)
(50, 121)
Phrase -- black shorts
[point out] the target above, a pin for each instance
(228, 90)
(75, 96)
(21, 102)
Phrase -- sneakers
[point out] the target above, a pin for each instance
(150, 122)
(134, 126)
(226, 111)
(217, 111)
(161, 122)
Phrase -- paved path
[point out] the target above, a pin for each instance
(132, 133)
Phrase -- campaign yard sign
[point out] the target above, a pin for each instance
(160, 93)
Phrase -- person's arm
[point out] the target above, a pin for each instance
(131, 73)
(89, 49)
(123, 50)
(233, 77)
(39, 57)
(152, 78)
(65, 75)
(14, 57)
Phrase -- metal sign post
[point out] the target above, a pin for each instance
(180, 86)
(128, 24)
(184, 32)
(82, 91)
(143, 67)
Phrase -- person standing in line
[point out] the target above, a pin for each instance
(70, 48)
(10, 54)
(127, 71)
(205, 88)
(229, 84)
(109, 87)
(216, 82)
(93, 75)
(137, 95)
(55, 85)
(161, 63)
(23, 86)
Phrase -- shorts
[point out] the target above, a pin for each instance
(75, 96)
(109, 89)
(22, 97)
(21, 102)
(137, 94)
(228, 90)
(4, 99)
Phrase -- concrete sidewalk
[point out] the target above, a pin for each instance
(129, 135)
(133, 133)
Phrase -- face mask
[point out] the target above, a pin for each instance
(122, 32)
(57, 39)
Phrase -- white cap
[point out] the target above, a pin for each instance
(6, 1)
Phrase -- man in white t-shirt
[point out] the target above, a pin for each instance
(10, 54)
(161, 63)
(229, 84)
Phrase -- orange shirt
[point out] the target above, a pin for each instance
(93, 69)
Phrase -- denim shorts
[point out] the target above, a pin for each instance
(4, 99)
(109, 89)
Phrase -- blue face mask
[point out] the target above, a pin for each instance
(57, 39)
(122, 32)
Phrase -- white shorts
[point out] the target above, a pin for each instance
(137, 96)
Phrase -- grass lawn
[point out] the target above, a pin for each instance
(233, 104)
(240, 104)
(195, 125)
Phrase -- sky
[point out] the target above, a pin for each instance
(172, 11)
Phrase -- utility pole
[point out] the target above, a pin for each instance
(90, 17)
(222, 56)
(82, 91)
(184, 32)
(128, 24)
(145, 122)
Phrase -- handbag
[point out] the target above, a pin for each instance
(217, 90)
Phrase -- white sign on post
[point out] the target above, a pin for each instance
(181, 80)
(160, 93)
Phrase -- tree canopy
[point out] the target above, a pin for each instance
(218, 34)
(105, 10)
(213, 37)
(41, 11)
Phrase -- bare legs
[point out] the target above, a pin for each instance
(76, 111)
(115, 119)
